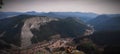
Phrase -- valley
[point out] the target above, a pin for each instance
(59, 33)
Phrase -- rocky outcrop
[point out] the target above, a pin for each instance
(32, 23)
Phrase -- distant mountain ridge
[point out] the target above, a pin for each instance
(8, 14)
(106, 22)
(83, 16)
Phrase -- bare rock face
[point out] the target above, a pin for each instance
(32, 23)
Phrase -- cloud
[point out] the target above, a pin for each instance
(97, 6)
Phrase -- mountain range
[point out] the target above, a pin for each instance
(107, 29)
(24, 30)
(81, 15)
(106, 22)
(21, 30)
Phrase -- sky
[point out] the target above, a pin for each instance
(96, 6)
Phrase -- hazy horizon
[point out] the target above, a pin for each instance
(87, 6)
